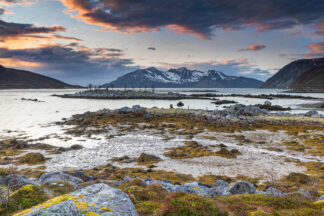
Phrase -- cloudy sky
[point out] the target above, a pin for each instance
(95, 41)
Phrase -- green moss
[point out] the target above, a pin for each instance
(188, 204)
(32, 158)
(24, 198)
(58, 190)
(246, 205)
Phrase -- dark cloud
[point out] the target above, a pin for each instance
(12, 2)
(151, 48)
(253, 47)
(8, 29)
(73, 63)
(199, 17)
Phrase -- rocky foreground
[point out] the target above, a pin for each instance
(134, 196)
(139, 186)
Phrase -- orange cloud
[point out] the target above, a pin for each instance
(15, 62)
(253, 47)
(317, 50)
(25, 42)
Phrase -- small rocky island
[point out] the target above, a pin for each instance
(127, 94)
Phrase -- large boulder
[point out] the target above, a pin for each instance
(98, 199)
(67, 208)
(242, 187)
(54, 177)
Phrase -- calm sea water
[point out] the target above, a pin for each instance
(31, 118)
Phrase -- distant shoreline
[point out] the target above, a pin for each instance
(305, 91)
(132, 97)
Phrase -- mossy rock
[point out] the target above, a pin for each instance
(299, 178)
(147, 158)
(32, 158)
(24, 198)
(224, 152)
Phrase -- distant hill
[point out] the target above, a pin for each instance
(182, 78)
(289, 73)
(311, 79)
(19, 79)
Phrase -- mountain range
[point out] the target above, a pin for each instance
(182, 78)
(19, 79)
(304, 73)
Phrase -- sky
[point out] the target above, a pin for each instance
(96, 41)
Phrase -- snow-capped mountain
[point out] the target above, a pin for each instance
(182, 78)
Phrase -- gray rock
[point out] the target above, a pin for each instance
(125, 109)
(84, 177)
(137, 108)
(102, 195)
(197, 188)
(221, 188)
(18, 180)
(274, 192)
(67, 208)
(267, 103)
(305, 193)
(321, 198)
(147, 115)
(311, 113)
(60, 176)
(76, 147)
(260, 192)
(99, 199)
(242, 187)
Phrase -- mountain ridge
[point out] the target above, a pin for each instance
(11, 78)
(290, 72)
(311, 79)
(182, 78)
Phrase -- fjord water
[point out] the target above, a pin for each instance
(32, 117)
